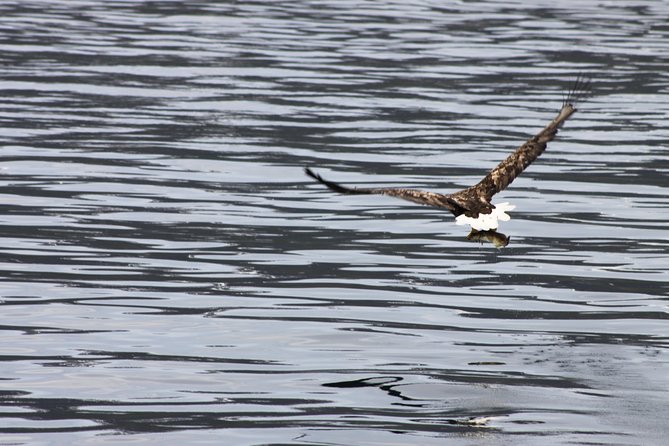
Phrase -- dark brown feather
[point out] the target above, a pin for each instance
(508, 170)
(477, 198)
(414, 195)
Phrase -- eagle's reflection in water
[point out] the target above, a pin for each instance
(496, 238)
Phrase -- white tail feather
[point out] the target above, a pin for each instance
(485, 222)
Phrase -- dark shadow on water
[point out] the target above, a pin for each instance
(389, 385)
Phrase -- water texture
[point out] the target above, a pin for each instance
(168, 274)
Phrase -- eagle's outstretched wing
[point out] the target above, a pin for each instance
(414, 195)
(507, 171)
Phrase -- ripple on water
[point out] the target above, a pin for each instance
(167, 267)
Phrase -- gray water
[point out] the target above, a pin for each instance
(168, 274)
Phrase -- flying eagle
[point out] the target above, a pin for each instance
(473, 205)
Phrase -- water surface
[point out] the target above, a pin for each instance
(169, 275)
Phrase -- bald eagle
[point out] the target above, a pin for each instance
(473, 205)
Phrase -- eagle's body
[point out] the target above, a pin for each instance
(473, 205)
